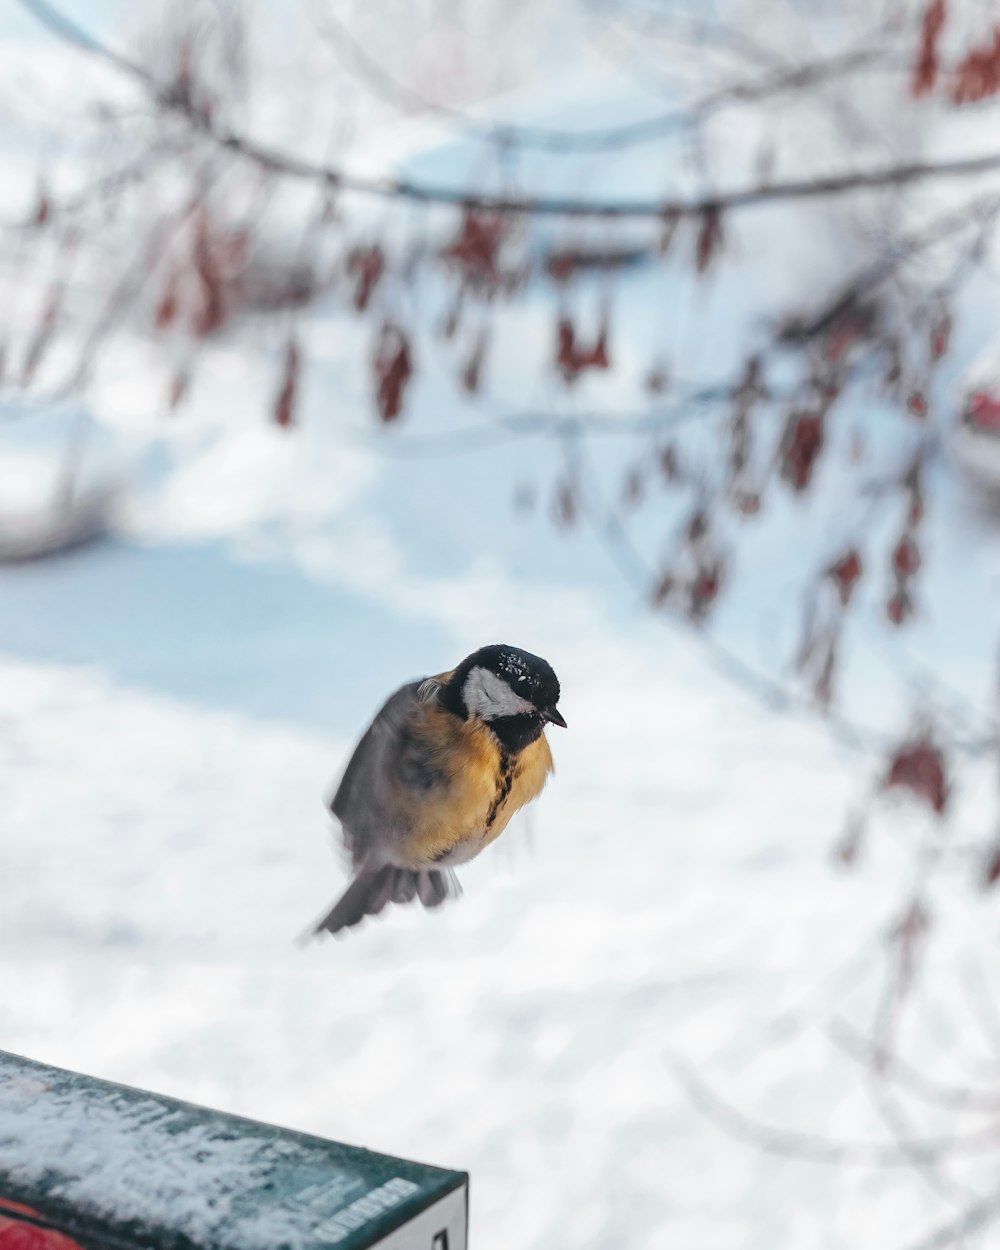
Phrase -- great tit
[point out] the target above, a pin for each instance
(444, 766)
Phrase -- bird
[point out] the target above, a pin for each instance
(438, 775)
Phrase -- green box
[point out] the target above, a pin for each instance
(113, 1168)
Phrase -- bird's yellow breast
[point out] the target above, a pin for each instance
(480, 789)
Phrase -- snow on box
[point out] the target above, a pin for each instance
(113, 1167)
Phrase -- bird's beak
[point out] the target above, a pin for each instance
(553, 716)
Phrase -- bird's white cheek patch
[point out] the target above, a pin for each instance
(489, 696)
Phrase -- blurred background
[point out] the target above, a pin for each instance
(658, 338)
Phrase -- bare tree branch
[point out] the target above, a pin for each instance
(289, 165)
(816, 1149)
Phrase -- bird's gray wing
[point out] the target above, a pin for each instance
(365, 802)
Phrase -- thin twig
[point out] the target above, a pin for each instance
(975, 1217)
(597, 139)
(952, 1097)
(815, 1149)
(982, 210)
(507, 427)
(897, 1121)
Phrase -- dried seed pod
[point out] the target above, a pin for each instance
(472, 370)
(905, 557)
(709, 237)
(940, 336)
(800, 447)
(476, 246)
(572, 358)
(920, 768)
(366, 266)
(43, 207)
(978, 75)
(899, 608)
(704, 589)
(916, 403)
(210, 313)
(991, 867)
(393, 367)
(845, 573)
(284, 405)
(561, 266)
(925, 68)
(168, 305)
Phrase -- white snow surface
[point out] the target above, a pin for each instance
(670, 896)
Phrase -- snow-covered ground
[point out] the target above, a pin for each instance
(671, 896)
(175, 703)
(172, 708)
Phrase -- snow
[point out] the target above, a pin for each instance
(174, 705)
(148, 1163)
(670, 894)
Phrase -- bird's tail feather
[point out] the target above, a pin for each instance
(373, 890)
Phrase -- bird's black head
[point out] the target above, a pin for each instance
(512, 691)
